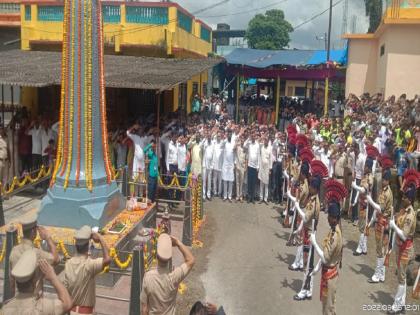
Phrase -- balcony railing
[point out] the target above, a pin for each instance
(9, 8)
(50, 13)
(147, 15)
(111, 14)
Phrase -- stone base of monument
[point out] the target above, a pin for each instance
(123, 243)
(74, 207)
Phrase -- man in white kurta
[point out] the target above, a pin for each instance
(217, 165)
(228, 167)
(207, 146)
(266, 163)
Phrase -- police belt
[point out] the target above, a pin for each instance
(82, 309)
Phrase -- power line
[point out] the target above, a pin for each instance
(247, 11)
(316, 16)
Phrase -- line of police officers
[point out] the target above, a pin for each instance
(383, 216)
(75, 286)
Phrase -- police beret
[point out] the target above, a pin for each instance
(316, 182)
(334, 210)
(386, 175)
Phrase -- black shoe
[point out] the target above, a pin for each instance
(298, 298)
(401, 311)
(357, 254)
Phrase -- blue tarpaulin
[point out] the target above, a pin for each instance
(266, 58)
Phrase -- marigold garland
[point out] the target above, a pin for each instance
(79, 95)
(3, 251)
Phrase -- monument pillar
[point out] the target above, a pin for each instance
(82, 190)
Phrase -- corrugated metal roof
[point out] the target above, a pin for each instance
(41, 68)
(266, 58)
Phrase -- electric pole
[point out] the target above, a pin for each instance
(327, 81)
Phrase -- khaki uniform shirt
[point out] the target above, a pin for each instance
(294, 171)
(312, 211)
(340, 165)
(407, 222)
(79, 278)
(3, 149)
(17, 252)
(303, 193)
(367, 182)
(160, 288)
(29, 304)
(332, 247)
(386, 201)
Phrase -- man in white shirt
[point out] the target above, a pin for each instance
(207, 146)
(140, 141)
(217, 165)
(266, 163)
(228, 167)
(182, 160)
(358, 171)
(172, 156)
(34, 130)
(253, 148)
(46, 135)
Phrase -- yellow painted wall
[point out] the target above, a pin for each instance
(297, 83)
(165, 37)
(176, 98)
(29, 99)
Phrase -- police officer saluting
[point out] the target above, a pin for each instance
(29, 230)
(26, 300)
(80, 271)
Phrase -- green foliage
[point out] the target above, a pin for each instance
(373, 10)
(269, 31)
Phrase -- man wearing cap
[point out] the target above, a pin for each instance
(26, 300)
(80, 271)
(29, 230)
(364, 189)
(330, 254)
(308, 215)
(160, 285)
(302, 198)
(405, 228)
(383, 216)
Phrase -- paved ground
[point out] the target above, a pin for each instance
(243, 266)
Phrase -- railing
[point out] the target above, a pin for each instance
(111, 14)
(184, 22)
(9, 8)
(147, 15)
(50, 13)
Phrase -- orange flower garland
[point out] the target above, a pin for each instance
(79, 100)
(89, 102)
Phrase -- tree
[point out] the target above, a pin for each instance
(269, 31)
(373, 10)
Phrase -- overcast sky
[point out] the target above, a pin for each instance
(237, 13)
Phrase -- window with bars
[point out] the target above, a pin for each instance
(184, 22)
(147, 15)
(50, 13)
(111, 14)
(205, 34)
(27, 12)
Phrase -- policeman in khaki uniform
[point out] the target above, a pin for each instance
(29, 230)
(340, 164)
(330, 254)
(26, 300)
(302, 198)
(364, 189)
(405, 228)
(310, 213)
(385, 201)
(80, 271)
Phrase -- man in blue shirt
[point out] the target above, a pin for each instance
(150, 153)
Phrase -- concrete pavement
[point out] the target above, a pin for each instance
(244, 266)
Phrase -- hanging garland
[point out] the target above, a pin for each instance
(79, 100)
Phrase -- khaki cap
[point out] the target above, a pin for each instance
(25, 267)
(82, 236)
(29, 222)
(164, 247)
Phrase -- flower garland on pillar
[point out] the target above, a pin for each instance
(88, 104)
(85, 92)
(79, 100)
(102, 96)
(64, 69)
(71, 107)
